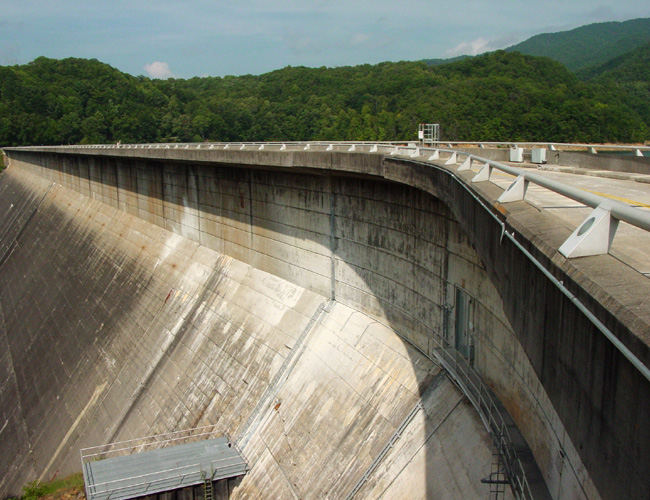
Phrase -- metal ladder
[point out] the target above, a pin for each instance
(497, 479)
(207, 486)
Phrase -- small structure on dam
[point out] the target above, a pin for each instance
(145, 467)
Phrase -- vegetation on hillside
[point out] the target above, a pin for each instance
(68, 488)
(438, 62)
(497, 96)
(633, 66)
(629, 75)
(73, 100)
(589, 45)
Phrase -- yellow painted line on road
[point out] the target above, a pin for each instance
(618, 198)
(503, 174)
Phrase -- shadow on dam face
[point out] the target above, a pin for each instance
(152, 296)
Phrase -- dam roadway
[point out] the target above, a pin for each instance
(332, 308)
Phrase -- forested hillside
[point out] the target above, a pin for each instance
(497, 96)
(589, 45)
(628, 74)
(631, 67)
(59, 102)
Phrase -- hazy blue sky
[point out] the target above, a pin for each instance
(162, 38)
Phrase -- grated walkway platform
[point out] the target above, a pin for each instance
(165, 469)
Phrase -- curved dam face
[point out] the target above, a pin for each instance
(296, 302)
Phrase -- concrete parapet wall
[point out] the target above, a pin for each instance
(582, 159)
(395, 240)
(494, 154)
(600, 161)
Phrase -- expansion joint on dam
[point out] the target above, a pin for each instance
(281, 376)
(333, 240)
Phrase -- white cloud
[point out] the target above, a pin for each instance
(360, 39)
(159, 70)
(299, 43)
(481, 45)
(472, 48)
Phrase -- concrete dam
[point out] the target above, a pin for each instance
(341, 314)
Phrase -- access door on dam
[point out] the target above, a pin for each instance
(458, 325)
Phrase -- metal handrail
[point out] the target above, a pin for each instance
(147, 484)
(438, 144)
(619, 210)
(479, 396)
(197, 468)
(139, 446)
(155, 441)
(156, 436)
(623, 147)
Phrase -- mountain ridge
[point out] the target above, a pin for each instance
(579, 48)
(589, 45)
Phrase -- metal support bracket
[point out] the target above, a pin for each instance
(467, 164)
(394, 151)
(435, 155)
(515, 191)
(452, 159)
(352, 148)
(593, 237)
(330, 147)
(484, 174)
(416, 153)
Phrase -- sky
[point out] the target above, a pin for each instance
(170, 38)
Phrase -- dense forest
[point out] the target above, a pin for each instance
(500, 96)
(590, 45)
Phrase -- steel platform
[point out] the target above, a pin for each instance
(160, 470)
